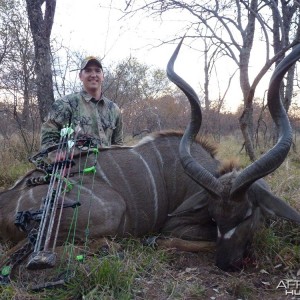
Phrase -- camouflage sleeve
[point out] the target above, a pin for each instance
(58, 116)
(117, 137)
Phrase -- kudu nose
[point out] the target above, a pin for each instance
(230, 267)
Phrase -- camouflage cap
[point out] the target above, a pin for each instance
(86, 60)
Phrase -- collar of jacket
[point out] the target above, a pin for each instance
(87, 97)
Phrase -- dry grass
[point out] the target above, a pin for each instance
(13, 161)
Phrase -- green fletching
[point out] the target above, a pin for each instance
(95, 151)
(69, 186)
(90, 170)
(70, 131)
(66, 131)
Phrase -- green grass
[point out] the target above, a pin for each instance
(116, 275)
(276, 246)
(98, 278)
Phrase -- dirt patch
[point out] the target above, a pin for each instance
(194, 276)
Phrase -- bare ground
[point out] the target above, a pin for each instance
(194, 276)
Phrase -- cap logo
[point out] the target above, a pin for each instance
(86, 60)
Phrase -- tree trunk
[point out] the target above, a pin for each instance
(41, 26)
(246, 120)
(246, 124)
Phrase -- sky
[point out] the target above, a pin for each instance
(100, 30)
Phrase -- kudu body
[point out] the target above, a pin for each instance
(171, 184)
(132, 193)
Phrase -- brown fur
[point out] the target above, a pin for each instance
(203, 141)
(210, 150)
(185, 245)
(229, 165)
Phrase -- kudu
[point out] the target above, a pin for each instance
(167, 183)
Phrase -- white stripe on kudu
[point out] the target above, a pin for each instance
(102, 174)
(174, 185)
(154, 188)
(157, 152)
(127, 184)
(94, 196)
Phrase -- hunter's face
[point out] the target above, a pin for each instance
(91, 77)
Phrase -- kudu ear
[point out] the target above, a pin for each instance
(271, 204)
(193, 203)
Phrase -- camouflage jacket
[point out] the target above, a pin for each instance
(100, 120)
